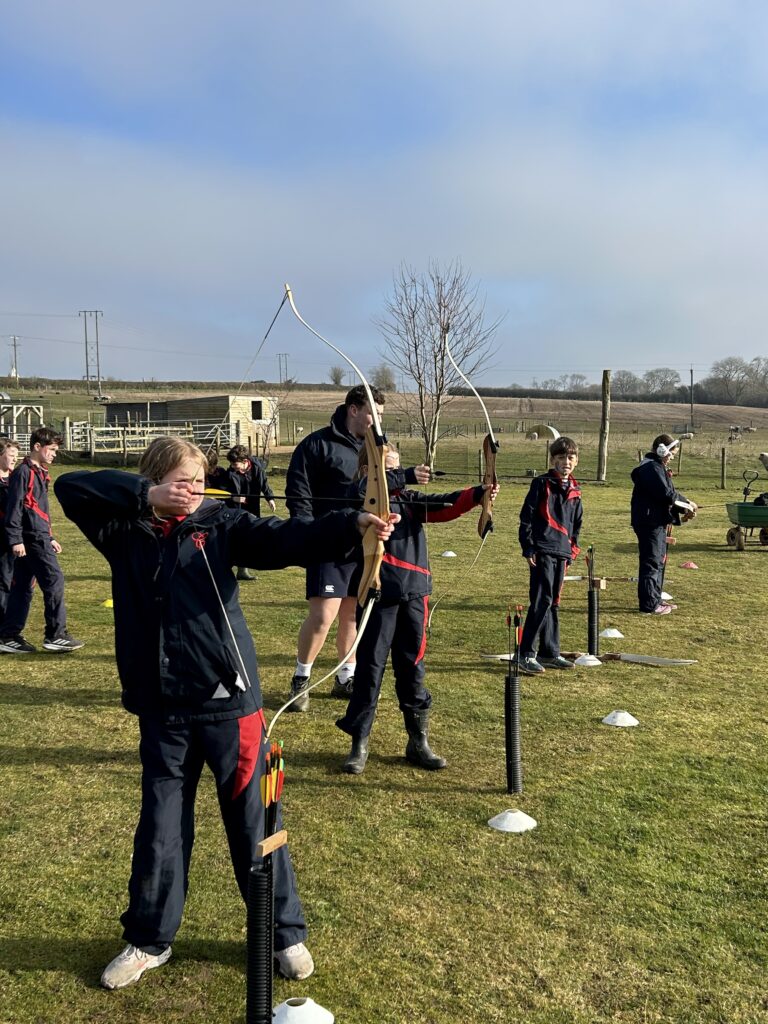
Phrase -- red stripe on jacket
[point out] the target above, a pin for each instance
(30, 501)
(400, 564)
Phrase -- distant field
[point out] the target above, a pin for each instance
(308, 409)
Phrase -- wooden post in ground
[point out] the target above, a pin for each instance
(605, 424)
(722, 468)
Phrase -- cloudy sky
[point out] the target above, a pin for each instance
(599, 167)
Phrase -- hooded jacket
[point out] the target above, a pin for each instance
(550, 519)
(653, 495)
(27, 514)
(252, 485)
(175, 654)
(323, 465)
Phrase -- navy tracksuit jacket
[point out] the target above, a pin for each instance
(550, 523)
(28, 522)
(196, 692)
(252, 485)
(398, 622)
(652, 511)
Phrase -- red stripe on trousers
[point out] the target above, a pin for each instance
(251, 728)
(423, 647)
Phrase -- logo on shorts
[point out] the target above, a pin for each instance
(330, 589)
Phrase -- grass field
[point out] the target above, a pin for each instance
(641, 896)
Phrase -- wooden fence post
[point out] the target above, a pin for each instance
(722, 468)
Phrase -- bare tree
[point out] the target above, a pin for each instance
(661, 381)
(627, 383)
(278, 405)
(383, 377)
(423, 311)
(336, 374)
(732, 375)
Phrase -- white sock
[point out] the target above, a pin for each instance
(346, 672)
(305, 671)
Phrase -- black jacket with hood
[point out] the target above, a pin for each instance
(173, 643)
(323, 465)
(653, 495)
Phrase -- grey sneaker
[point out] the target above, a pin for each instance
(558, 662)
(244, 574)
(65, 642)
(295, 962)
(16, 645)
(341, 689)
(299, 685)
(128, 966)
(531, 667)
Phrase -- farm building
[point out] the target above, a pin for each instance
(251, 420)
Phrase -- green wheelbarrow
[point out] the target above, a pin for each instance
(746, 518)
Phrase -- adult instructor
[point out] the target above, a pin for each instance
(321, 470)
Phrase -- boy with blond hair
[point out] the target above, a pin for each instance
(188, 669)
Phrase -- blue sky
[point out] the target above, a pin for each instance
(600, 168)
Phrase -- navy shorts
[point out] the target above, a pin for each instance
(330, 579)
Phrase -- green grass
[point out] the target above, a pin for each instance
(639, 898)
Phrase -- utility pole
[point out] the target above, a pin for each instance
(15, 366)
(92, 360)
(691, 396)
(282, 366)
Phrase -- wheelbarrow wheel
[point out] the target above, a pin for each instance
(732, 536)
(764, 536)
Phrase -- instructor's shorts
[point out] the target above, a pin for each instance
(330, 579)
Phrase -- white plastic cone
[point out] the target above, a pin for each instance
(513, 820)
(588, 661)
(612, 634)
(666, 597)
(622, 719)
(448, 554)
(301, 1011)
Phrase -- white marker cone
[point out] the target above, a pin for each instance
(301, 1011)
(513, 820)
(448, 554)
(622, 719)
(612, 634)
(666, 597)
(588, 661)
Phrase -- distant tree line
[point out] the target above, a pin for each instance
(731, 381)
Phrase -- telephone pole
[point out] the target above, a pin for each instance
(282, 366)
(691, 427)
(15, 365)
(92, 361)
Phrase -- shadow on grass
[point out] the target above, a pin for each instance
(18, 693)
(395, 764)
(58, 756)
(86, 958)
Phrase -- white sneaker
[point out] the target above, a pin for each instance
(295, 962)
(128, 966)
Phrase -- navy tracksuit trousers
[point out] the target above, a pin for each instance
(172, 759)
(40, 563)
(6, 578)
(652, 544)
(542, 623)
(399, 627)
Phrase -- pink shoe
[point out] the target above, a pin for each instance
(671, 606)
(662, 609)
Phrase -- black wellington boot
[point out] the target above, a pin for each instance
(357, 756)
(418, 751)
